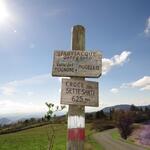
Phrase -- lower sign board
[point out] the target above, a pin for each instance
(79, 92)
(77, 63)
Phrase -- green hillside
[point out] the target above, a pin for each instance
(37, 139)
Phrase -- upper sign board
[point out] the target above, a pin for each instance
(79, 92)
(77, 63)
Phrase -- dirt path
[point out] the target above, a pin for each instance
(105, 139)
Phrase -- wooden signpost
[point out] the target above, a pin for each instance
(77, 63)
(76, 92)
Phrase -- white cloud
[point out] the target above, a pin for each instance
(30, 81)
(106, 65)
(116, 60)
(114, 90)
(20, 102)
(8, 90)
(9, 106)
(10, 87)
(147, 28)
(142, 84)
(147, 87)
(30, 93)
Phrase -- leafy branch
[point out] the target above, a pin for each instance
(50, 117)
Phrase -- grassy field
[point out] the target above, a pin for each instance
(36, 139)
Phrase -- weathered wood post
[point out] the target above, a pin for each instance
(76, 113)
(76, 92)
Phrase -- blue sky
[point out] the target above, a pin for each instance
(30, 31)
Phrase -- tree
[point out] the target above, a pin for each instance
(50, 117)
(100, 114)
(134, 108)
(111, 113)
(124, 122)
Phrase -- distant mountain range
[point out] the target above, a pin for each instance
(12, 118)
(4, 121)
(8, 119)
(122, 107)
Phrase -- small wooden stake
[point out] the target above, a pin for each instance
(76, 113)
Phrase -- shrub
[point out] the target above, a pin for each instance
(124, 122)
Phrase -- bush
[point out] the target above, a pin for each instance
(124, 122)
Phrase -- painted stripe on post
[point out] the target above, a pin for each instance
(76, 122)
(76, 134)
(76, 128)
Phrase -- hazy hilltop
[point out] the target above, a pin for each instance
(7, 119)
(125, 107)
(4, 121)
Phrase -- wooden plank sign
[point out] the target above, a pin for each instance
(77, 63)
(79, 92)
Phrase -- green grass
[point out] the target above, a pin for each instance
(33, 139)
(115, 135)
(93, 145)
(36, 139)
(90, 142)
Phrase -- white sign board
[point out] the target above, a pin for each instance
(79, 92)
(77, 63)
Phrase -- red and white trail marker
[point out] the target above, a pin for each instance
(76, 92)
(76, 128)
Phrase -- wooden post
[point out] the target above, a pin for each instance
(73, 64)
(76, 113)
